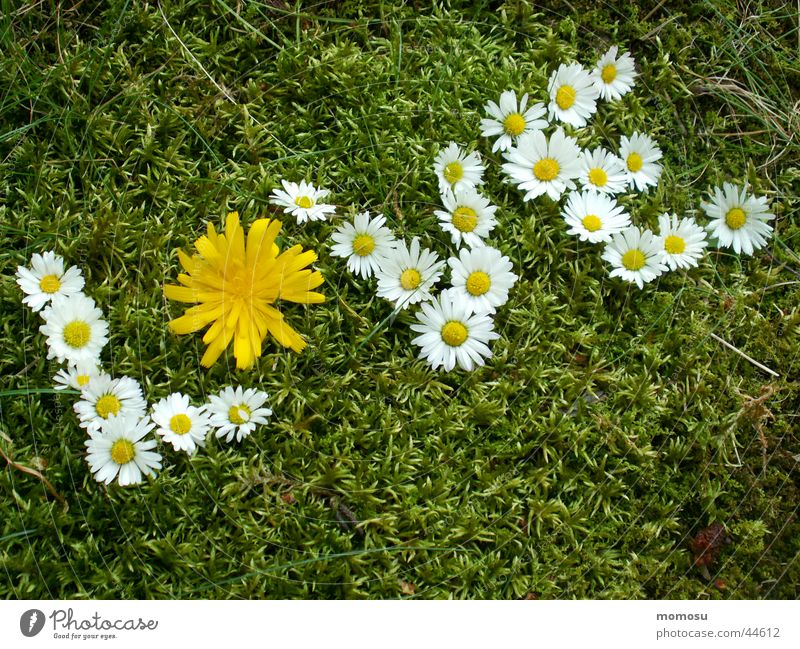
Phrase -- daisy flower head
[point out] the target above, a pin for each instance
(450, 334)
(594, 217)
(468, 217)
(573, 95)
(739, 220)
(234, 283)
(235, 413)
(120, 449)
(75, 329)
(602, 171)
(77, 377)
(364, 242)
(682, 241)
(105, 398)
(509, 120)
(613, 75)
(539, 166)
(481, 278)
(640, 154)
(635, 256)
(407, 274)
(302, 201)
(181, 424)
(46, 279)
(457, 169)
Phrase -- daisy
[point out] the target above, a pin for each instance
(407, 275)
(538, 166)
(635, 256)
(573, 94)
(456, 169)
(77, 377)
(235, 413)
(46, 279)
(481, 278)
(594, 217)
(450, 334)
(738, 219)
(363, 242)
(75, 330)
(119, 448)
(613, 76)
(469, 217)
(682, 240)
(509, 121)
(106, 398)
(602, 171)
(302, 201)
(640, 155)
(181, 424)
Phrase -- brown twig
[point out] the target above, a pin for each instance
(36, 474)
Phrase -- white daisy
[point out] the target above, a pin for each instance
(682, 240)
(75, 330)
(603, 172)
(77, 377)
(469, 217)
(235, 413)
(481, 278)
(614, 75)
(456, 169)
(180, 424)
(573, 94)
(738, 219)
(120, 448)
(594, 217)
(538, 166)
(640, 154)
(509, 120)
(635, 256)
(105, 398)
(302, 201)
(407, 275)
(364, 243)
(46, 279)
(450, 334)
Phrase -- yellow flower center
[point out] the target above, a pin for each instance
(592, 222)
(674, 245)
(565, 97)
(735, 218)
(598, 177)
(304, 201)
(453, 172)
(239, 414)
(633, 259)
(49, 284)
(82, 380)
(514, 124)
(77, 334)
(608, 73)
(410, 279)
(478, 283)
(546, 169)
(454, 333)
(107, 405)
(180, 424)
(634, 162)
(363, 245)
(465, 219)
(122, 451)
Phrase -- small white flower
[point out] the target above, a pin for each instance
(302, 201)
(481, 278)
(364, 243)
(640, 154)
(46, 279)
(635, 256)
(614, 75)
(181, 424)
(469, 217)
(235, 413)
(509, 120)
(682, 240)
(594, 217)
(603, 172)
(456, 169)
(120, 449)
(75, 330)
(738, 219)
(450, 335)
(407, 275)
(77, 377)
(106, 398)
(573, 94)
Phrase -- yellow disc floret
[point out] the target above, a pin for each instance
(239, 414)
(546, 169)
(598, 177)
(107, 405)
(454, 333)
(565, 97)
(634, 162)
(478, 283)
(49, 284)
(735, 218)
(514, 124)
(77, 334)
(304, 201)
(180, 424)
(674, 245)
(410, 279)
(592, 222)
(82, 380)
(465, 218)
(453, 172)
(363, 245)
(634, 259)
(608, 73)
(122, 451)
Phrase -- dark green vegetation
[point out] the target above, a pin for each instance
(609, 429)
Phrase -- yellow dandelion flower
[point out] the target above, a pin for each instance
(234, 285)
